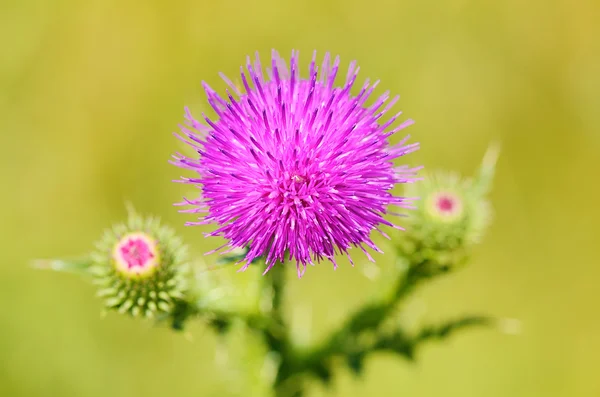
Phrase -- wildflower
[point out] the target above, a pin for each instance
(295, 166)
(140, 267)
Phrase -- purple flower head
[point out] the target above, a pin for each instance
(295, 166)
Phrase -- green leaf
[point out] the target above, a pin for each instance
(445, 330)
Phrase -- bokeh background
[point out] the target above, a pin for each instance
(90, 92)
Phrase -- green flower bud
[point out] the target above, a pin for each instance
(140, 267)
(451, 215)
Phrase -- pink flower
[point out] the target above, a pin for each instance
(294, 166)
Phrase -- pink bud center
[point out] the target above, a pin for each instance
(445, 204)
(136, 254)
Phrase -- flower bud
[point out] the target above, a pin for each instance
(451, 215)
(140, 267)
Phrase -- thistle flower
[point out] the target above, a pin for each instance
(451, 216)
(140, 267)
(295, 166)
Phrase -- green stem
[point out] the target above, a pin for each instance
(276, 335)
(372, 316)
(278, 341)
(277, 281)
(345, 341)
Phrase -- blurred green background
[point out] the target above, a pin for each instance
(90, 92)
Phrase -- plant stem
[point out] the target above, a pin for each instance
(277, 281)
(344, 341)
(372, 316)
(278, 341)
(276, 335)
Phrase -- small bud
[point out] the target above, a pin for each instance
(452, 214)
(140, 267)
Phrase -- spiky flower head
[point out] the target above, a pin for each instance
(140, 267)
(451, 215)
(295, 166)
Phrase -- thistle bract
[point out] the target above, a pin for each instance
(295, 166)
(140, 267)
